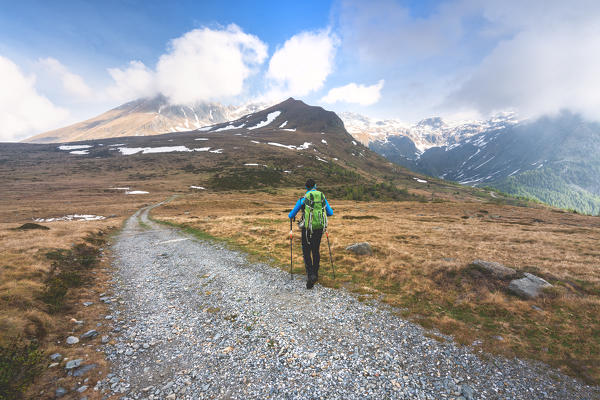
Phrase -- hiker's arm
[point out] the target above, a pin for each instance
(293, 213)
(328, 209)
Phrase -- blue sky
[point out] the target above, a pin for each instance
(64, 61)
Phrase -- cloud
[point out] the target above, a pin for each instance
(302, 64)
(23, 111)
(543, 68)
(132, 82)
(72, 83)
(206, 64)
(353, 93)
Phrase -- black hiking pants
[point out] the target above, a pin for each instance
(310, 250)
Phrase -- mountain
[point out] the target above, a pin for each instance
(427, 133)
(148, 116)
(555, 160)
(279, 146)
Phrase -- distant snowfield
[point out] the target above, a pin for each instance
(420, 180)
(72, 217)
(136, 192)
(198, 187)
(117, 144)
(270, 118)
(119, 188)
(255, 165)
(323, 141)
(127, 151)
(289, 129)
(230, 126)
(284, 124)
(79, 152)
(304, 146)
(74, 147)
(201, 138)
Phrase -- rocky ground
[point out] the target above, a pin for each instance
(194, 320)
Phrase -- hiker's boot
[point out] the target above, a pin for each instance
(309, 282)
(314, 278)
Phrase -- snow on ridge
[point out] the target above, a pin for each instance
(162, 149)
(136, 192)
(201, 138)
(198, 187)
(304, 146)
(289, 129)
(419, 180)
(79, 152)
(283, 125)
(72, 217)
(74, 147)
(270, 118)
(323, 141)
(229, 127)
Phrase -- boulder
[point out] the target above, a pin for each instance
(528, 287)
(494, 268)
(362, 249)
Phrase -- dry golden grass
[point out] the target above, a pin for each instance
(24, 266)
(421, 263)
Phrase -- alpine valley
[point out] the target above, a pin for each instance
(553, 159)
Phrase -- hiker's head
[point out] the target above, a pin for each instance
(310, 184)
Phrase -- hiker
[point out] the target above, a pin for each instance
(315, 210)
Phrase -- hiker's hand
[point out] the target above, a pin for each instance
(291, 233)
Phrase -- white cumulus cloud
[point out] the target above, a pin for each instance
(132, 82)
(208, 64)
(303, 63)
(23, 111)
(353, 93)
(72, 83)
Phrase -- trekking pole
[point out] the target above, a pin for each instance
(330, 258)
(291, 256)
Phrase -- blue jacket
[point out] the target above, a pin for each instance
(300, 202)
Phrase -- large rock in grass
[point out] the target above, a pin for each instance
(528, 287)
(361, 249)
(494, 268)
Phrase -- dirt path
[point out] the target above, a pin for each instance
(195, 320)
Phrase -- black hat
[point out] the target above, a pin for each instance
(310, 184)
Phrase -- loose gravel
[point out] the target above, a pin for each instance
(195, 320)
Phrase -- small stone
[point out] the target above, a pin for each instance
(105, 339)
(108, 317)
(72, 340)
(467, 392)
(361, 249)
(56, 357)
(87, 303)
(84, 369)
(145, 345)
(73, 363)
(129, 352)
(147, 389)
(171, 396)
(82, 389)
(60, 392)
(53, 365)
(499, 338)
(89, 334)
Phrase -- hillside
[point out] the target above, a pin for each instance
(147, 116)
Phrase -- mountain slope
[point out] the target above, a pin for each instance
(148, 116)
(555, 160)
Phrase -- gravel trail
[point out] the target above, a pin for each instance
(194, 320)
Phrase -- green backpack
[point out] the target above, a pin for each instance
(315, 216)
